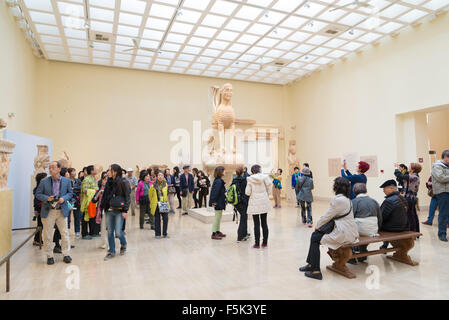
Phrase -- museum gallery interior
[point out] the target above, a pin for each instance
(159, 84)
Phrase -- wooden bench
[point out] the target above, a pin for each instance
(402, 243)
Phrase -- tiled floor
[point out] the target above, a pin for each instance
(190, 265)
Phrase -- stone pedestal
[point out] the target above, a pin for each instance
(207, 215)
(5, 221)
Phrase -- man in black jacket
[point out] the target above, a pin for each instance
(393, 210)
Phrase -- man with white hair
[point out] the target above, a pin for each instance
(133, 185)
(440, 186)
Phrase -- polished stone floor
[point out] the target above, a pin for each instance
(190, 265)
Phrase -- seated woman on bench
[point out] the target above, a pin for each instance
(344, 232)
(367, 217)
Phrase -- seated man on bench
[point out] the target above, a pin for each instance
(367, 217)
(393, 210)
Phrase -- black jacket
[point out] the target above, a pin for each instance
(184, 185)
(112, 188)
(240, 183)
(217, 195)
(402, 179)
(394, 213)
(204, 188)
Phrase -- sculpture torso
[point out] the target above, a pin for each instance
(224, 115)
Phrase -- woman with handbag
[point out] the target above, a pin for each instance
(115, 203)
(217, 200)
(171, 189)
(159, 205)
(204, 185)
(334, 229)
(142, 196)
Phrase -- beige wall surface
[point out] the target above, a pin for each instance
(352, 106)
(105, 115)
(17, 75)
(438, 131)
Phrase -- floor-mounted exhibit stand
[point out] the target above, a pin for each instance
(6, 200)
(207, 215)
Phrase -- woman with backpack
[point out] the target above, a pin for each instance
(217, 200)
(304, 187)
(115, 203)
(258, 190)
(242, 205)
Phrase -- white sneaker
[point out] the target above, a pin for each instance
(103, 246)
(78, 235)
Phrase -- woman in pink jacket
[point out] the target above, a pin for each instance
(142, 198)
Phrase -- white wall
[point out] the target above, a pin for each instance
(353, 105)
(17, 75)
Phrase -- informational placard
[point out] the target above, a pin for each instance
(352, 161)
(373, 166)
(334, 166)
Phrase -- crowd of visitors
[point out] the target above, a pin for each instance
(100, 208)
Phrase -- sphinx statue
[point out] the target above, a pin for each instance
(42, 159)
(98, 171)
(223, 118)
(292, 160)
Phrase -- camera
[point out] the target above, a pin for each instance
(54, 202)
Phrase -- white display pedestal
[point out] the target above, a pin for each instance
(207, 215)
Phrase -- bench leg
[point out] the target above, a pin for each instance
(404, 247)
(340, 257)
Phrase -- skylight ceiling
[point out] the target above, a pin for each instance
(233, 39)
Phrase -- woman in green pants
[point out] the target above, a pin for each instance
(217, 200)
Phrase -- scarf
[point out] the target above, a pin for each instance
(98, 217)
(159, 186)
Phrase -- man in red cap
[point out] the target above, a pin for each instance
(355, 178)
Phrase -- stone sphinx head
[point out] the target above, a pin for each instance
(292, 147)
(226, 93)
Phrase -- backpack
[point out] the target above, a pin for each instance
(232, 196)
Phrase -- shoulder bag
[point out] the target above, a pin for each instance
(117, 201)
(162, 205)
(329, 226)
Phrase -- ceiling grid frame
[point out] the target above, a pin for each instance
(246, 70)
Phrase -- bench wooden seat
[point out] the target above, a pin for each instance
(402, 242)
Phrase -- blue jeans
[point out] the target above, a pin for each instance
(443, 205)
(114, 224)
(432, 208)
(309, 211)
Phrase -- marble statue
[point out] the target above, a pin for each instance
(292, 160)
(98, 171)
(223, 118)
(6, 148)
(42, 159)
(65, 161)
